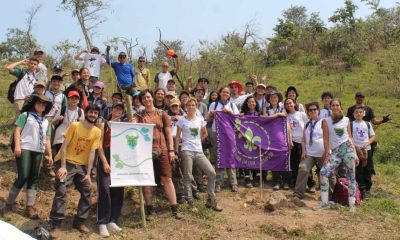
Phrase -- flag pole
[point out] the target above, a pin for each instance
(261, 175)
(128, 100)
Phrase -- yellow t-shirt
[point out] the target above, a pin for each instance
(142, 78)
(82, 141)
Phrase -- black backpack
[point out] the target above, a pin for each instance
(13, 86)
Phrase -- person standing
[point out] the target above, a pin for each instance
(342, 152)
(41, 72)
(193, 131)
(31, 140)
(162, 77)
(126, 78)
(326, 98)
(27, 81)
(143, 75)
(163, 152)
(74, 163)
(93, 60)
(204, 83)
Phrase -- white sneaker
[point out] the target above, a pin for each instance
(114, 227)
(352, 209)
(103, 231)
(321, 206)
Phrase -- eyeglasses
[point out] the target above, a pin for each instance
(142, 61)
(312, 109)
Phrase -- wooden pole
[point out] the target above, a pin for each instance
(261, 175)
(128, 100)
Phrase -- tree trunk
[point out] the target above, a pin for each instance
(82, 24)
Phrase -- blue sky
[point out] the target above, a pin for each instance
(189, 21)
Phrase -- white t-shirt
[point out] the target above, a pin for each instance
(271, 111)
(25, 86)
(220, 106)
(297, 121)
(324, 113)
(94, 62)
(41, 74)
(57, 99)
(239, 100)
(301, 107)
(70, 116)
(338, 133)
(191, 133)
(30, 135)
(174, 127)
(261, 104)
(316, 149)
(361, 133)
(163, 80)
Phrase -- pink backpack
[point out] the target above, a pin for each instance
(341, 192)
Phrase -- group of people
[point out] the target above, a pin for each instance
(69, 126)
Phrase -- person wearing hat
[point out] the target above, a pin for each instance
(136, 105)
(27, 78)
(169, 97)
(39, 88)
(236, 91)
(31, 140)
(73, 163)
(126, 78)
(41, 72)
(115, 98)
(93, 60)
(171, 85)
(260, 97)
(96, 97)
(109, 199)
(56, 96)
(142, 75)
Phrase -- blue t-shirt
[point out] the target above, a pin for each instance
(125, 73)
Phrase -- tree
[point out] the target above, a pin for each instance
(159, 51)
(66, 50)
(297, 15)
(88, 15)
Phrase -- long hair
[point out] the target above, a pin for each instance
(296, 107)
(245, 106)
(340, 116)
(209, 97)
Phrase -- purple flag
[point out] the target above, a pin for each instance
(239, 139)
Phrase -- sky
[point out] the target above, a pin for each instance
(189, 21)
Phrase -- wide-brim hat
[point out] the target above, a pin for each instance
(280, 96)
(236, 83)
(29, 104)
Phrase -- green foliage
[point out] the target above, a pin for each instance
(17, 44)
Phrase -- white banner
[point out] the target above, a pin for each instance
(131, 154)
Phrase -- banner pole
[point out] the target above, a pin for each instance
(128, 100)
(261, 175)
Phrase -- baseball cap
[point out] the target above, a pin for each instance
(175, 101)
(57, 67)
(56, 78)
(171, 80)
(261, 85)
(75, 71)
(118, 104)
(360, 94)
(99, 84)
(38, 52)
(73, 93)
(40, 83)
(122, 54)
(95, 49)
(170, 93)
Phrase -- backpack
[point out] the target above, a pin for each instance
(12, 143)
(341, 192)
(13, 86)
(62, 113)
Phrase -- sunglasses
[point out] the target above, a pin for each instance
(312, 109)
(122, 57)
(142, 61)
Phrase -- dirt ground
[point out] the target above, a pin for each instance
(243, 216)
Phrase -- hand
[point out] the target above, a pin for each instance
(174, 56)
(357, 161)
(190, 78)
(17, 151)
(108, 49)
(291, 144)
(227, 110)
(303, 156)
(171, 155)
(106, 167)
(25, 61)
(61, 173)
(386, 118)
(85, 51)
(50, 160)
(87, 178)
(60, 118)
(264, 77)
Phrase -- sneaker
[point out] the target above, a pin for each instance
(298, 202)
(311, 189)
(175, 212)
(286, 186)
(192, 207)
(213, 204)
(217, 188)
(181, 200)
(103, 231)
(55, 232)
(234, 188)
(30, 212)
(149, 213)
(276, 187)
(321, 206)
(248, 183)
(81, 227)
(196, 196)
(352, 209)
(114, 227)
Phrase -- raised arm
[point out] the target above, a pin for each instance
(78, 55)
